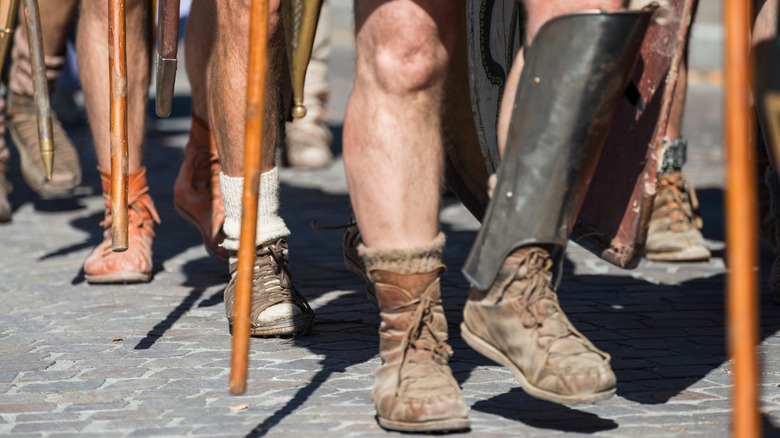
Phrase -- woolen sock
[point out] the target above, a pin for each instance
(423, 258)
(270, 226)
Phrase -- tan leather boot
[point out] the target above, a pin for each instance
(196, 193)
(21, 120)
(674, 232)
(519, 324)
(414, 390)
(135, 264)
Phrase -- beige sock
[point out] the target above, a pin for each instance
(270, 226)
(423, 258)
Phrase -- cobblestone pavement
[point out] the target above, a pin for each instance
(153, 359)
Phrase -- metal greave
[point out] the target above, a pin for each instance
(575, 74)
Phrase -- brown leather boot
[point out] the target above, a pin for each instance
(414, 390)
(277, 308)
(135, 264)
(519, 324)
(196, 193)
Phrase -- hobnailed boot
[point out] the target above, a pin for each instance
(277, 308)
(414, 390)
(197, 196)
(519, 324)
(135, 264)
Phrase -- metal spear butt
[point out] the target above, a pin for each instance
(166, 79)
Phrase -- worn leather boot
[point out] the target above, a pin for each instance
(674, 234)
(277, 308)
(135, 264)
(414, 390)
(519, 324)
(197, 196)
(21, 120)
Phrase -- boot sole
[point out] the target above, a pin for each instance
(204, 235)
(118, 277)
(686, 255)
(500, 358)
(450, 425)
(297, 327)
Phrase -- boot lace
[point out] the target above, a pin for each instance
(531, 284)
(676, 202)
(414, 338)
(271, 277)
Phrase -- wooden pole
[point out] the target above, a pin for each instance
(252, 165)
(8, 30)
(117, 61)
(741, 220)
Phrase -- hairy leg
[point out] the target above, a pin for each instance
(538, 13)
(92, 53)
(393, 149)
(200, 36)
(228, 80)
(57, 19)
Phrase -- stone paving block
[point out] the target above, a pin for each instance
(63, 386)
(82, 434)
(8, 408)
(47, 375)
(164, 431)
(136, 384)
(7, 376)
(53, 426)
(48, 417)
(106, 406)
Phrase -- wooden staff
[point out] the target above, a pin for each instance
(117, 61)
(8, 30)
(40, 85)
(258, 42)
(741, 220)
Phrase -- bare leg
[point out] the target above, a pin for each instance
(92, 52)
(200, 35)
(393, 149)
(56, 23)
(227, 88)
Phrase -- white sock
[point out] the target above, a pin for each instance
(270, 226)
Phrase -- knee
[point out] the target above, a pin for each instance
(405, 48)
(404, 63)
